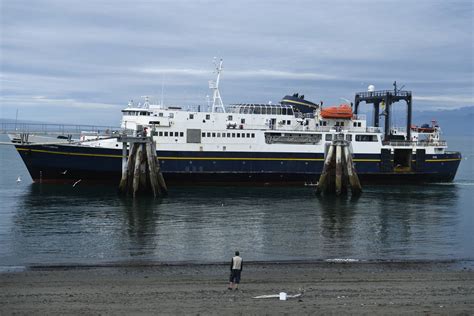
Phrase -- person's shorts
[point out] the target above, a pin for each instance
(235, 276)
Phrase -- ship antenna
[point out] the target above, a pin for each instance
(214, 85)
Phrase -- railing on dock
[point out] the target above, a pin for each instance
(56, 129)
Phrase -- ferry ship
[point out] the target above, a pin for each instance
(252, 144)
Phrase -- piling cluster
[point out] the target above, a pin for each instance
(338, 171)
(141, 172)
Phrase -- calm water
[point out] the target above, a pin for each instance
(47, 224)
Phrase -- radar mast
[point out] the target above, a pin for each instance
(214, 86)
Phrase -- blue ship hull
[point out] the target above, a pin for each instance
(67, 164)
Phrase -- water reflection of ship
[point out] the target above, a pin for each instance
(71, 226)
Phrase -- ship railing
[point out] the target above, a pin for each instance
(56, 129)
(406, 143)
(383, 93)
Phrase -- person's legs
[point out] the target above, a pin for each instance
(236, 280)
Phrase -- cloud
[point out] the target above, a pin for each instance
(43, 101)
(91, 54)
(462, 100)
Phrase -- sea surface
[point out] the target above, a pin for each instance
(65, 225)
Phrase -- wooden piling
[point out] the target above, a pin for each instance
(356, 188)
(321, 187)
(338, 170)
(141, 173)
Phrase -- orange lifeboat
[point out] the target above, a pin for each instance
(342, 111)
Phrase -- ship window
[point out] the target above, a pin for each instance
(166, 133)
(349, 137)
(337, 124)
(208, 116)
(355, 124)
(328, 137)
(181, 134)
(342, 123)
(176, 134)
(213, 134)
(243, 135)
(228, 135)
(191, 116)
(203, 134)
(253, 135)
(229, 118)
(359, 124)
(161, 133)
(366, 138)
(223, 134)
(160, 114)
(248, 135)
(238, 135)
(288, 122)
(233, 135)
(242, 121)
(290, 111)
(208, 134)
(324, 123)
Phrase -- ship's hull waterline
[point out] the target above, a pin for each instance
(68, 164)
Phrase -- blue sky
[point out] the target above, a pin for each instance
(81, 61)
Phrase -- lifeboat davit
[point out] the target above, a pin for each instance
(342, 111)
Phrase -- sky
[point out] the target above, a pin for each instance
(80, 62)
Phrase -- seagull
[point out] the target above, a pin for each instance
(18, 180)
(64, 172)
(76, 183)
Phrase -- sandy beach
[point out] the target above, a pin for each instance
(201, 289)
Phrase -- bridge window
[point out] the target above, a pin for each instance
(328, 137)
(208, 116)
(181, 134)
(191, 116)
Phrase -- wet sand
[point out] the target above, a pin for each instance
(192, 289)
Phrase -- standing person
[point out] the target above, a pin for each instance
(236, 265)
